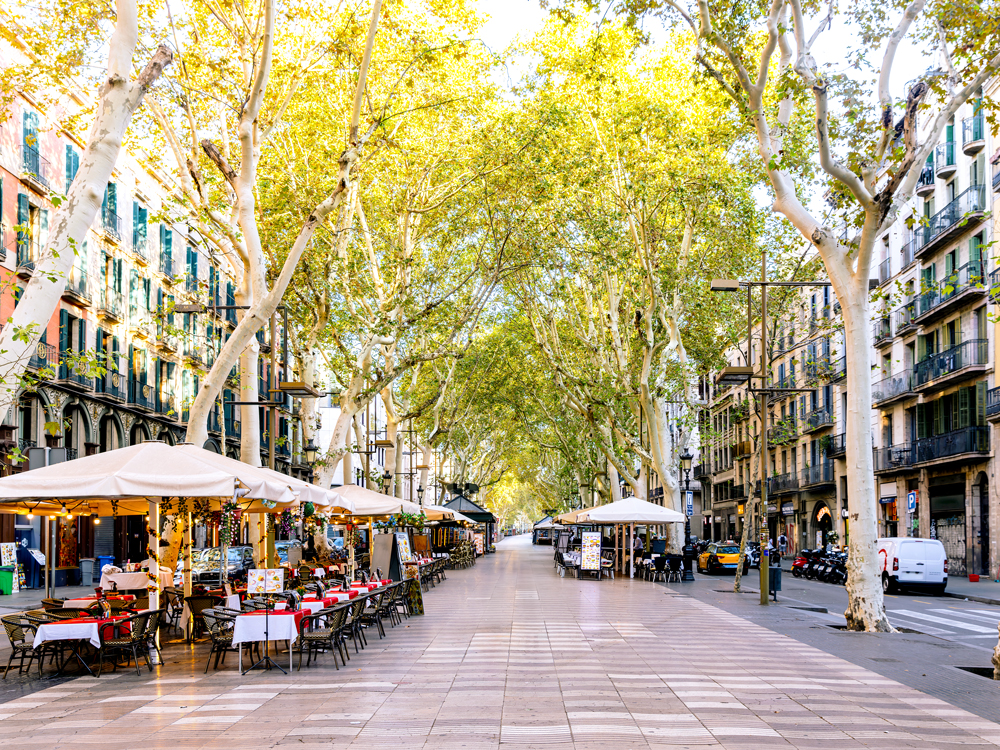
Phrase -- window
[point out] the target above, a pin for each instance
(33, 234)
(140, 221)
(166, 251)
(109, 208)
(72, 340)
(72, 164)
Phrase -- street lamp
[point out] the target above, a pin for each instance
(309, 451)
(686, 459)
(420, 494)
(386, 479)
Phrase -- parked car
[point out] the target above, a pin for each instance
(911, 563)
(206, 570)
(282, 547)
(196, 555)
(718, 558)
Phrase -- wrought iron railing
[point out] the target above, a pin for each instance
(892, 386)
(36, 166)
(882, 330)
(944, 156)
(967, 354)
(973, 129)
(971, 201)
(142, 394)
(966, 440)
(112, 225)
(971, 276)
(44, 356)
(783, 482)
(821, 473)
(818, 418)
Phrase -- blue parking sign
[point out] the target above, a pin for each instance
(911, 501)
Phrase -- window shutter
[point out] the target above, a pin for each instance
(81, 336)
(22, 220)
(135, 224)
(69, 166)
(963, 407)
(980, 403)
(133, 288)
(64, 338)
(938, 407)
(113, 198)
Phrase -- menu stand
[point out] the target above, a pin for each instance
(266, 662)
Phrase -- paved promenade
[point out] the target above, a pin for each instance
(510, 655)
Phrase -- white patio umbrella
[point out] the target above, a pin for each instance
(631, 510)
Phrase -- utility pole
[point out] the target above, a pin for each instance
(764, 395)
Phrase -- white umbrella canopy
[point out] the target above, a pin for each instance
(441, 513)
(370, 503)
(631, 510)
(127, 477)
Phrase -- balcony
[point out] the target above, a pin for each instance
(926, 181)
(140, 322)
(884, 271)
(821, 473)
(907, 253)
(783, 483)
(44, 357)
(35, 169)
(993, 404)
(973, 134)
(166, 403)
(894, 458)
(743, 449)
(944, 159)
(112, 225)
(968, 283)
(817, 419)
(967, 209)
(142, 395)
(114, 385)
(835, 446)
(214, 424)
(233, 428)
(965, 360)
(893, 388)
(784, 432)
(76, 286)
(995, 286)
(70, 375)
(25, 263)
(952, 445)
(838, 370)
(110, 305)
(882, 331)
(903, 316)
(167, 266)
(140, 248)
(737, 492)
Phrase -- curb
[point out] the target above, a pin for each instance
(980, 599)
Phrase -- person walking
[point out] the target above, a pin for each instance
(782, 544)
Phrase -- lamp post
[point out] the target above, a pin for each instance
(386, 481)
(688, 574)
(420, 494)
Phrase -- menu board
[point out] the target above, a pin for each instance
(591, 549)
(265, 580)
(403, 542)
(480, 543)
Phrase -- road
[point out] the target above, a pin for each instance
(971, 623)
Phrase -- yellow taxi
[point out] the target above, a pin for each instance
(718, 558)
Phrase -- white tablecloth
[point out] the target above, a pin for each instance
(232, 602)
(313, 607)
(69, 631)
(250, 628)
(128, 581)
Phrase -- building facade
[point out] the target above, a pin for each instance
(934, 395)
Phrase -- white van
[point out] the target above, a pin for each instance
(906, 562)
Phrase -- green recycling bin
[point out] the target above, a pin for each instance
(7, 580)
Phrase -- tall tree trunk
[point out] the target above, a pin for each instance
(119, 99)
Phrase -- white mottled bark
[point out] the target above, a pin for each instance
(119, 99)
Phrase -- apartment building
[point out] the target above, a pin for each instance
(805, 470)
(934, 345)
(138, 261)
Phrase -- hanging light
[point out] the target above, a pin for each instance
(686, 459)
(64, 510)
(310, 451)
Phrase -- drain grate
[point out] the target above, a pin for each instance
(986, 672)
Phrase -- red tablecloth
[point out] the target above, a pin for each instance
(327, 600)
(86, 601)
(351, 593)
(365, 586)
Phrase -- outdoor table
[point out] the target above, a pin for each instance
(280, 626)
(341, 594)
(231, 602)
(126, 581)
(86, 601)
(367, 586)
(76, 630)
(573, 557)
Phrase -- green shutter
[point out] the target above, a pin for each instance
(113, 198)
(938, 416)
(980, 403)
(921, 421)
(963, 407)
(135, 224)
(22, 221)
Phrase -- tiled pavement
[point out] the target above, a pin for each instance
(510, 655)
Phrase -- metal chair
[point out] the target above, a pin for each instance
(20, 632)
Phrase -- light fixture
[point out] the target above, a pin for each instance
(733, 375)
(309, 451)
(31, 516)
(97, 521)
(686, 459)
(725, 285)
(63, 510)
(420, 492)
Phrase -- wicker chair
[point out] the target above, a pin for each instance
(68, 613)
(329, 636)
(220, 630)
(156, 616)
(354, 625)
(197, 605)
(133, 643)
(20, 632)
(52, 603)
(175, 606)
(371, 615)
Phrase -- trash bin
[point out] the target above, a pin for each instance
(7, 580)
(774, 580)
(103, 560)
(87, 571)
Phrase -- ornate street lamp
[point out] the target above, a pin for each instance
(420, 494)
(686, 459)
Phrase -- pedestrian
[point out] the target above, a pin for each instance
(782, 544)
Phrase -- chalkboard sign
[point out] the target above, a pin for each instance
(591, 549)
